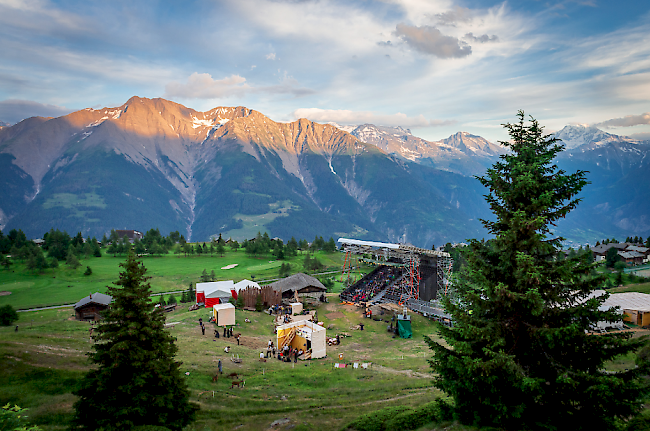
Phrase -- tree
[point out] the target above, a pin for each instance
(239, 303)
(88, 271)
(7, 315)
(204, 276)
(611, 257)
(36, 260)
(234, 245)
(518, 355)
(14, 419)
(172, 300)
(72, 260)
(213, 276)
(220, 249)
(330, 246)
(259, 304)
(135, 380)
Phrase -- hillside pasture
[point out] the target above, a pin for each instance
(41, 364)
(168, 273)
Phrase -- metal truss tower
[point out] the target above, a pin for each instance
(445, 268)
(410, 285)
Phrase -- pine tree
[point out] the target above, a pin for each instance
(71, 260)
(518, 356)
(136, 380)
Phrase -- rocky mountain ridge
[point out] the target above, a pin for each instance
(232, 170)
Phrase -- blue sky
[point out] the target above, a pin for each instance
(434, 66)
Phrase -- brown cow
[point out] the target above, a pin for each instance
(233, 375)
(239, 384)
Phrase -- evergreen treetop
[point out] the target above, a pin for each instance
(518, 356)
(136, 380)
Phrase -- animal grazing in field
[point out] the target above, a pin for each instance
(215, 378)
(238, 383)
(233, 375)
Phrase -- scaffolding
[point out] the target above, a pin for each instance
(445, 268)
(410, 283)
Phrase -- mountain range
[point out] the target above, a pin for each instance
(232, 170)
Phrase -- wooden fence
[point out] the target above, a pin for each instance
(269, 296)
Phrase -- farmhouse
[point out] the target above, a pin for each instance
(301, 285)
(635, 306)
(303, 335)
(131, 235)
(90, 307)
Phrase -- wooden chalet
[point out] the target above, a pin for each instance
(90, 307)
(299, 284)
(131, 235)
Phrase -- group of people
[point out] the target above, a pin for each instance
(289, 353)
(374, 283)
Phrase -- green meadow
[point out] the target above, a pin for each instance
(168, 273)
(41, 364)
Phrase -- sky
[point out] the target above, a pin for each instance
(434, 66)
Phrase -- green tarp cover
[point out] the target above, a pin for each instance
(404, 328)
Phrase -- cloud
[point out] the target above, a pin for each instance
(203, 86)
(14, 110)
(482, 39)
(344, 116)
(627, 121)
(454, 16)
(643, 136)
(270, 56)
(429, 40)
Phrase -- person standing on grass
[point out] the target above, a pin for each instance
(219, 366)
(224, 332)
(216, 333)
(238, 339)
(202, 329)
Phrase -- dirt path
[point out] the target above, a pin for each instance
(409, 373)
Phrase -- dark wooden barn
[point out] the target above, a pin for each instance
(90, 307)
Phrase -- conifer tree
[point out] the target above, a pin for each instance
(135, 381)
(518, 356)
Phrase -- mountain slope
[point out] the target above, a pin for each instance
(228, 170)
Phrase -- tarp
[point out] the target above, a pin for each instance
(404, 328)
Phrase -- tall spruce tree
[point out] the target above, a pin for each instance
(135, 380)
(518, 356)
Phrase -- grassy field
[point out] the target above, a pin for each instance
(41, 364)
(168, 273)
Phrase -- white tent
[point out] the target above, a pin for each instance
(242, 285)
(224, 314)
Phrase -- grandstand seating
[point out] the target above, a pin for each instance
(373, 284)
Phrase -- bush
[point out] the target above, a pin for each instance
(375, 421)
(171, 300)
(240, 302)
(434, 411)
(150, 428)
(7, 315)
(403, 418)
(259, 305)
(88, 271)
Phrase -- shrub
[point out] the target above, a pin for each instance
(7, 315)
(259, 305)
(88, 271)
(375, 421)
(171, 300)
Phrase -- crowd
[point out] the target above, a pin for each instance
(372, 284)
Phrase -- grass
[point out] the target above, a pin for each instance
(42, 363)
(168, 273)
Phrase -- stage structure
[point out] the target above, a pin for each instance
(425, 273)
